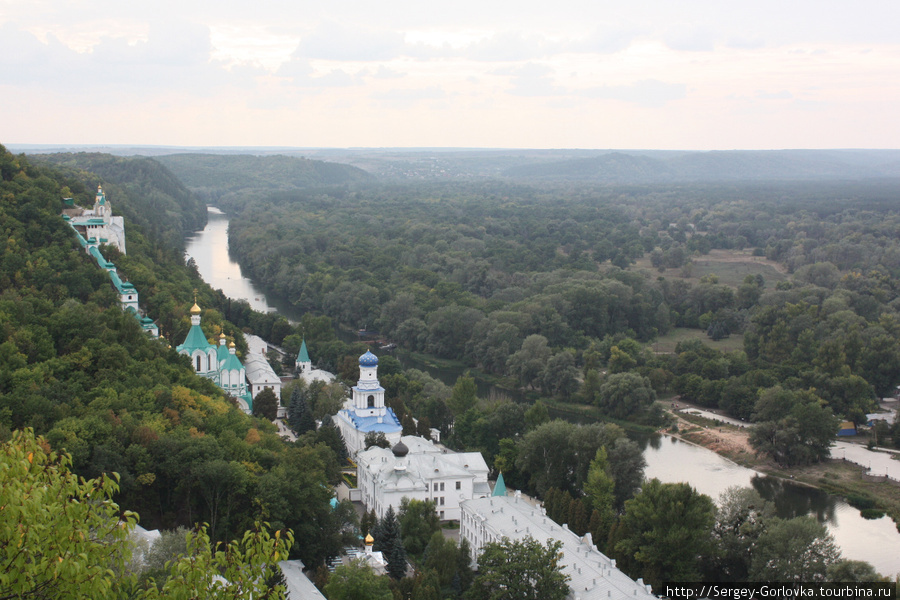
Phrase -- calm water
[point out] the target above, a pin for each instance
(668, 459)
(209, 249)
(876, 541)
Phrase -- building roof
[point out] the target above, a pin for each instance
(299, 587)
(389, 423)
(592, 574)
(368, 360)
(303, 355)
(232, 363)
(423, 463)
(499, 487)
(195, 340)
(259, 371)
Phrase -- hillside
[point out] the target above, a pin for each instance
(216, 176)
(145, 192)
(80, 372)
(782, 165)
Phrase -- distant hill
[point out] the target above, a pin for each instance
(770, 165)
(142, 189)
(215, 176)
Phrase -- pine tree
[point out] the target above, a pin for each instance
(299, 415)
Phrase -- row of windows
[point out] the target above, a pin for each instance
(441, 488)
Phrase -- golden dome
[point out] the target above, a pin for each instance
(369, 539)
(195, 310)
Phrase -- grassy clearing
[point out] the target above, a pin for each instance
(667, 343)
(731, 267)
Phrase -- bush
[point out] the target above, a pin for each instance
(860, 502)
(871, 513)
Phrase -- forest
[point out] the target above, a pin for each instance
(784, 296)
(78, 371)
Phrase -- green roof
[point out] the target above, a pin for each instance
(499, 487)
(195, 340)
(232, 363)
(303, 356)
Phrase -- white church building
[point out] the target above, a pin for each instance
(416, 468)
(592, 574)
(364, 412)
(217, 363)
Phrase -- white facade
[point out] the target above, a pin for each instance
(364, 412)
(592, 575)
(419, 470)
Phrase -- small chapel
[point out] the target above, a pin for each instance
(364, 411)
(217, 363)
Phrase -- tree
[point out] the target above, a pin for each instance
(220, 570)
(625, 394)
(599, 487)
(299, 415)
(376, 438)
(265, 405)
(851, 571)
(798, 549)
(357, 581)
(418, 522)
(520, 569)
(389, 541)
(63, 537)
(72, 522)
(741, 517)
(528, 362)
(464, 395)
(666, 530)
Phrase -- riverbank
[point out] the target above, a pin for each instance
(835, 476)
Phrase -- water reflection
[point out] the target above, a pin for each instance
(793, 500)
(876, 541)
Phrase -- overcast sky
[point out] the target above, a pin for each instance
(685, 74)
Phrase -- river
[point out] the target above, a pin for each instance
(668, 459)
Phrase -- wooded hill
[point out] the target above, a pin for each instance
(81, 373)
(145, 192)
(241, 177)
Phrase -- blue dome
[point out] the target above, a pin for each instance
(368, 360)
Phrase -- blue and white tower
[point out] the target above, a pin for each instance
(365, 412)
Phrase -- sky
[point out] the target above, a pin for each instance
(642, 74)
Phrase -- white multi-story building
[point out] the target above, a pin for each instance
(364, 412)
(592, 575)
(417, 469)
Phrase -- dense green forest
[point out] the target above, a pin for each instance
(79, 371)
(539, 284)
(240, 178)
(146, 193)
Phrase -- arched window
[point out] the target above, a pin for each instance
(371, 400)
(198, 364)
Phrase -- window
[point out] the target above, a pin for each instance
(442, 501)
(198, 364)
(435, 486)
(371, 400)
(459, 485)
(442, 486)
(442, 515)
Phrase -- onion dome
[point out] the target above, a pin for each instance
(369, 539)
(400, 450)
(368, 360)
(195, 310)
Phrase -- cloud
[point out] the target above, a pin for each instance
(174, 57)
(688, 39)
(782, 95)
(605, 40)
(531, 79)
(334, 41)
(647, 93)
